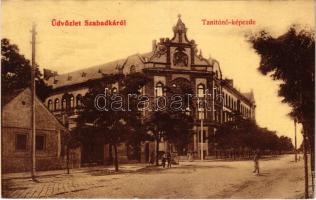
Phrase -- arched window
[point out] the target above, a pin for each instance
(159, 89)
(78, 100)
(215, 92)
(63, 103)
(56, 106)
(72, 102)
(200, 90)
(50, 104)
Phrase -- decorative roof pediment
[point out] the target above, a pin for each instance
(180, 32)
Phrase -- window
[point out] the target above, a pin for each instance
(78, 100)
(200, 90)
(204, 136)
(50, 104)
(132, 69)
(201, 113)
(114, 90)
(215, 93)
(21, 140)
(159, 89)
(187, 111)
(56, 104)
(40, 142)
(229, 102)
(180, 59)
(72, 102)
(63, 104)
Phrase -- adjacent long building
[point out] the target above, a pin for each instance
(170, 63)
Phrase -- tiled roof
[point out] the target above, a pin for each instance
(95, 72)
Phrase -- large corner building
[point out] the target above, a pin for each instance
(171, 62)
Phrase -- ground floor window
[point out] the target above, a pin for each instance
(21, 140)
(40, 142)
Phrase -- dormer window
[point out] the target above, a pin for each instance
(83, 74)
(69, 78)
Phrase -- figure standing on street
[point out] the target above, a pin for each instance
(256, 162)
(169, 160)
(163, 160)
(152, 158)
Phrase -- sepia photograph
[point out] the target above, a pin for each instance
(157, 99)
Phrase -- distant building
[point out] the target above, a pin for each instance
(170, 63)
(16, 135)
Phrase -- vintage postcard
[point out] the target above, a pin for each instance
(157, 99)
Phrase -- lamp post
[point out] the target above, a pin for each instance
(201, 116)
(201, 132)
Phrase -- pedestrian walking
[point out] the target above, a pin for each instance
(163, 160)
(256, 162)
(169, 160)
(152, 158)
(190, 157)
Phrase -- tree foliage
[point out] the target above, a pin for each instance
(246, 134)
(113, 125)
(16, 71)
(290, 58)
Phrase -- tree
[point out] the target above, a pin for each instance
(116, 118)
(71, 141)
(291, 59)
(16, 71)
(246, 134)
(175, 123)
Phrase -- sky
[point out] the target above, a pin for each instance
(66, 49)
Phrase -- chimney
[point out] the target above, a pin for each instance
(230, 82)
(49, 73)
(154, 45)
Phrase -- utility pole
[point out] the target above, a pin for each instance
(201, 132)
(295, 148)
(305, 164)
(33, 137)
(202, 109)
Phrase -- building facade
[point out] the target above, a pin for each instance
(16, 135)
(171, 62)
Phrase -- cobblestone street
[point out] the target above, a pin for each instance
(280, 178)
(50, 184)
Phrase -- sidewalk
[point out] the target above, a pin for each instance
(51, 183)
(110, 169)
